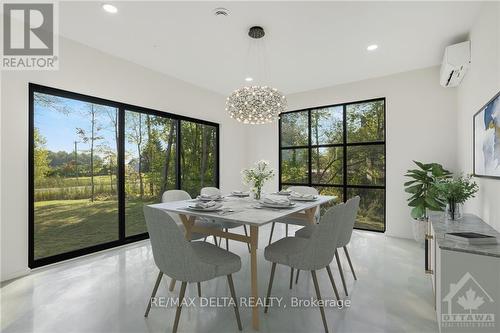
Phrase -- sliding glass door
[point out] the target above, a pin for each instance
(340, 150)
(95, 163)
(198, 156)
(75, 174)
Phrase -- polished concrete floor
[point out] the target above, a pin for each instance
(107, 292)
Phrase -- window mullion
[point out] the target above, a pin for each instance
(309, 147)
(178, 155)
(344, 153)
(121, 173)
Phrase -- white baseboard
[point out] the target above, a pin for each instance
(15, 275)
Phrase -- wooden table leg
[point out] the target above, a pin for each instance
(254, 239)
(311, 215)
(188, 224)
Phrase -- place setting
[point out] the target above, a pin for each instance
(240, 194)
(205, 206)
(274, 202)
(210, 197)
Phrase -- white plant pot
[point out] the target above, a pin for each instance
(419, 229)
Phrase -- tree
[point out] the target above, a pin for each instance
(109, 156)
(91, 137)
(40, 155)
(169, 136)
(52, 102)
(135, 136)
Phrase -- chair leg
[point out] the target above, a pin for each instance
(297, 277)
(220, 241)
(246, 234)
(330, 275)
(318, 295)
(172, 285)
(199, 289)
(271, 234)
(179, 307)
(266, 306)
(350, 263)
(233, 295)
(286, 230)
(291, 277)
(341, 271)
(227, 243)
(153, 294)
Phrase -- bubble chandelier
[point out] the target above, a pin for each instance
(256, 104)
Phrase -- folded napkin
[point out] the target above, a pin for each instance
(276, 201)
(210, 197)
(303, 196)
(238, 192)
(205, 205)
(285, 191)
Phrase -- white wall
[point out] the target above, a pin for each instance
(92, 72)
(420, 126)
(480, 84)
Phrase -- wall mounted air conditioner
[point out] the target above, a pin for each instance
(456, 61)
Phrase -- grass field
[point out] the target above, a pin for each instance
(67, 225)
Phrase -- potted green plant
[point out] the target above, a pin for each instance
(424, 196)
(455, 192)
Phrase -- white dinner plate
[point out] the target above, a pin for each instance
(242, 195)
(209, 209)
(303, 199)
(265, 204)
(208, 199)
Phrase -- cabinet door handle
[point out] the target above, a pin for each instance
(428, 269)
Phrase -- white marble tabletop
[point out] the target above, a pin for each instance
(244, 209)
(469, 223)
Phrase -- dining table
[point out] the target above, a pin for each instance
(247, 211)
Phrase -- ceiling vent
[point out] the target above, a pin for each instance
(221, 12)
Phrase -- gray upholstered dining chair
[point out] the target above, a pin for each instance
(179, 195)
(292, 220)
(312, 254)
(186, 261)
(224, 225)
(352, 207)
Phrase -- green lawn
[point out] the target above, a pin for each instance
(66, 225)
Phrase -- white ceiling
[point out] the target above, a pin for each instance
(308, 45)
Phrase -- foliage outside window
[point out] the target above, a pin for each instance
(90, 157)
(340, 150)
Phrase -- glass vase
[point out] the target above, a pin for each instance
(257, 193)
(454, 211)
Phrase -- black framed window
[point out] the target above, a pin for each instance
(340, 150)
(94, 163)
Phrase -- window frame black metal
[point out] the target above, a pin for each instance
(345, 186)
(122, 107)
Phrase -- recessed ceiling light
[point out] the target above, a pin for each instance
(109, 8)
(221, 12)
(372, 47)
(248, 79)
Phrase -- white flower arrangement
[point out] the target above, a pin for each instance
(257, 176)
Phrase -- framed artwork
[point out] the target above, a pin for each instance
(487, 140)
